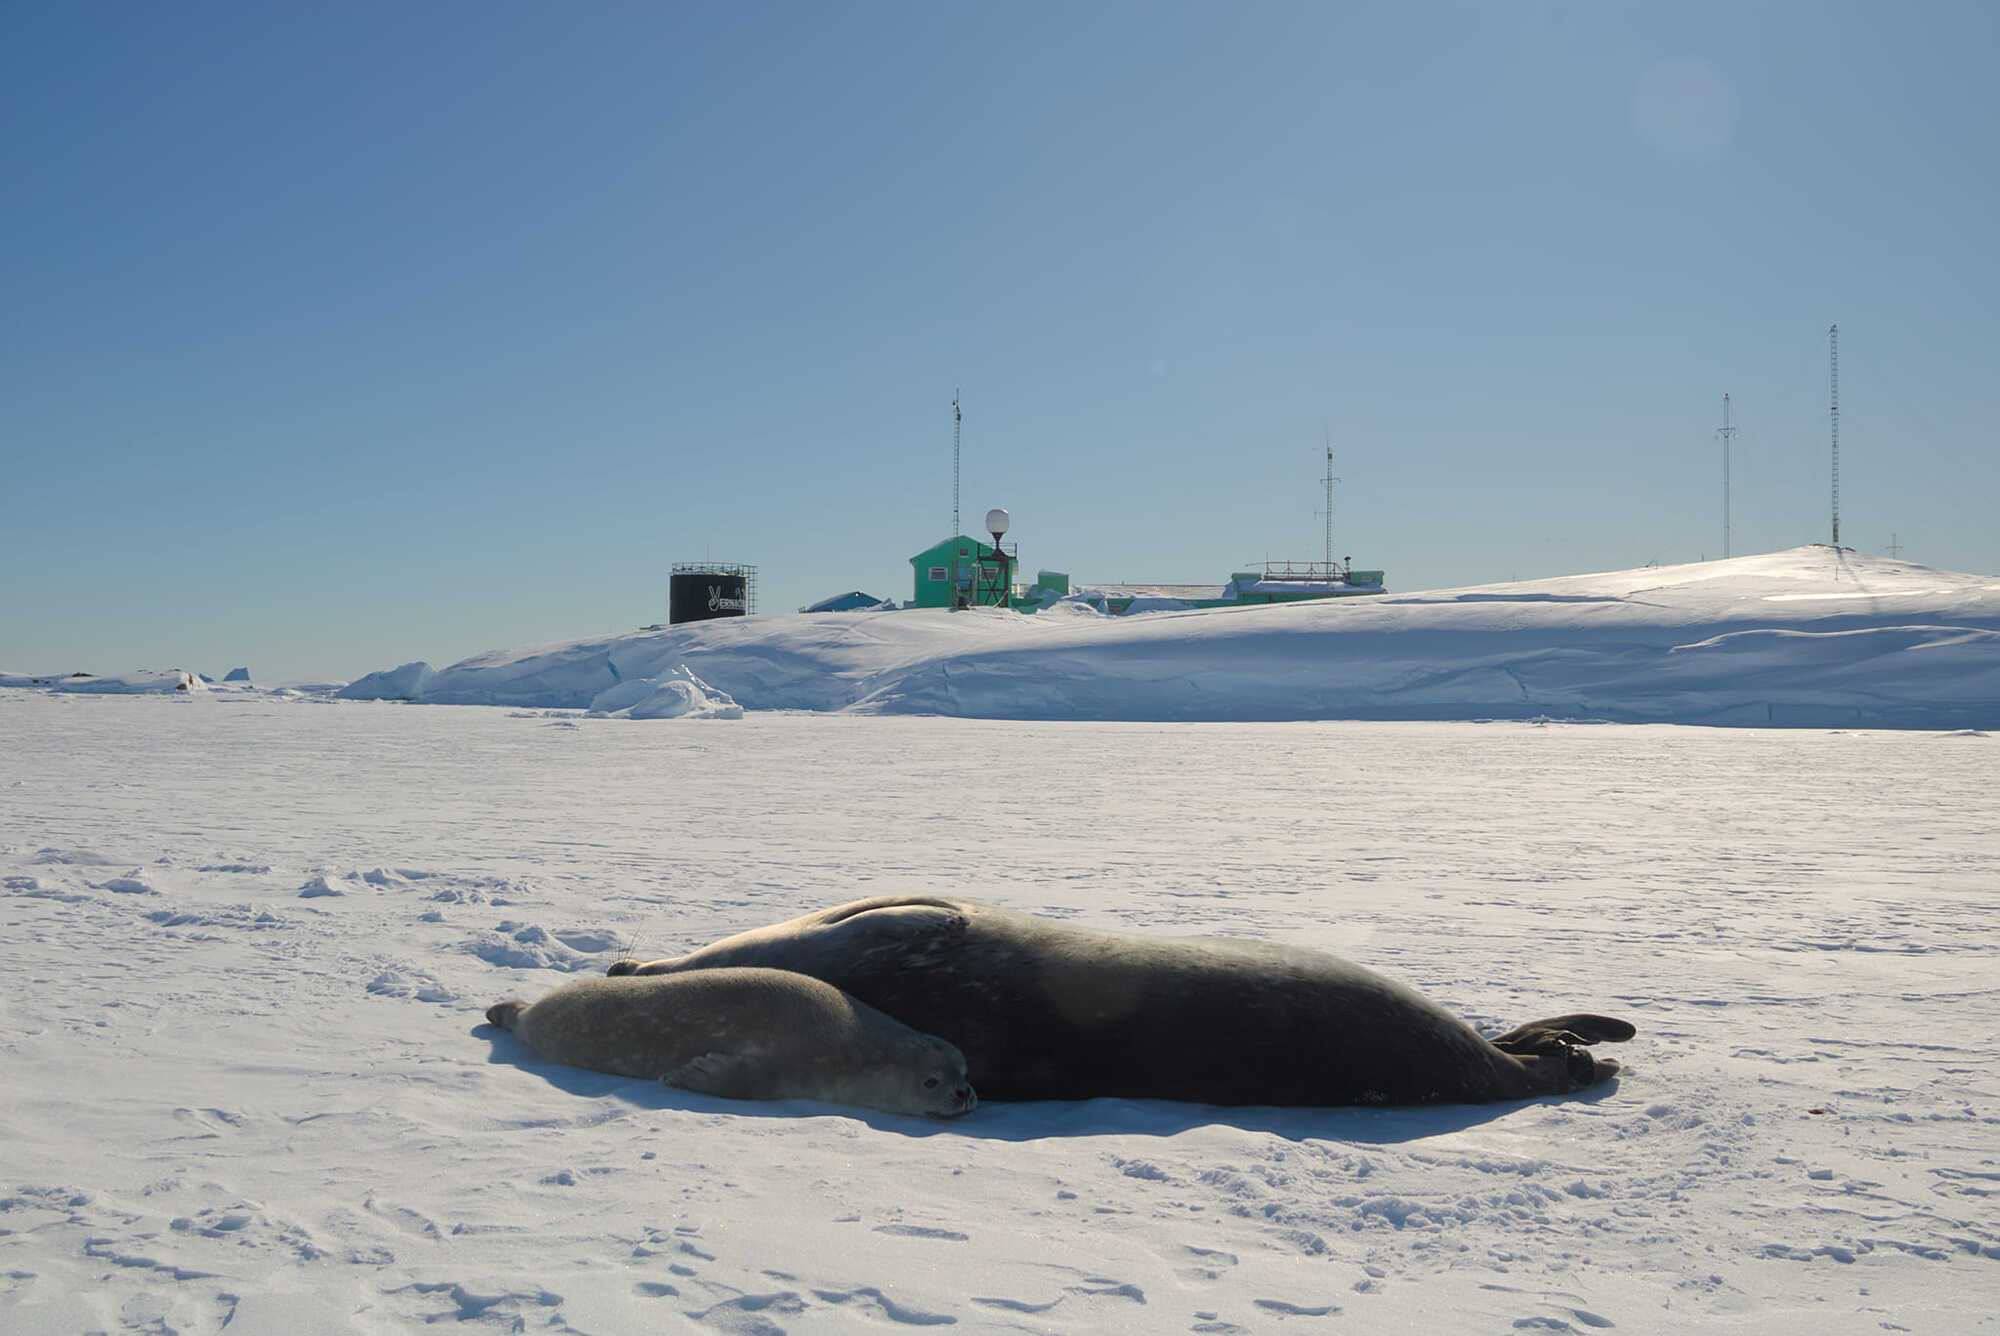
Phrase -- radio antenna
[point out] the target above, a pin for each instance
(1833, 376)
(1725, 432)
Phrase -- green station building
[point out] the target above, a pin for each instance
(962, 571)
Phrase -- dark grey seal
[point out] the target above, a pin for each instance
(1046, 1011)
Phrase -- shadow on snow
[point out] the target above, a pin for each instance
(1039, 1120)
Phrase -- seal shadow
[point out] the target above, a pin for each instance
(1042, 1120)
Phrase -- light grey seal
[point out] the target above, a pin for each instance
(745, 1034)
(1043, 1010)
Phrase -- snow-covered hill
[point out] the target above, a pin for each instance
(1811, 636)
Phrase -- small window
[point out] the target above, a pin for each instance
(937, 573)
(965, 552)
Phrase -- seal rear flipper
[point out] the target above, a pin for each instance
(1577, 1028)
(504, 1014)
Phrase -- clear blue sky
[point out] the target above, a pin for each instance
(332, 336)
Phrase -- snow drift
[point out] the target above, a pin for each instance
(405, 682)
(143, 682)
(1813, 636)
(675, 695)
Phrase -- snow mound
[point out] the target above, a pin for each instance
(675, 695)
(306, 687)
(405, 682)
(1814, 636)
(528, 946)
(237, 675)
(144, 682)
(74, 858)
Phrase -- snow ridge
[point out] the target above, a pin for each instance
(1814, 636)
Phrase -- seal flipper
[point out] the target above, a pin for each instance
(728, 1075)
(1563, 1068)
(1577, 1028)
(505, 1014)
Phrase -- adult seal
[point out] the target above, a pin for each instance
(1047, 1011)
(745, 1034)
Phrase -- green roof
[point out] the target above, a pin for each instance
(979, 549)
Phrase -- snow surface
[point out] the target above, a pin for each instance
(246, 944)
(1814, 636)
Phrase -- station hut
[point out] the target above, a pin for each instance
(962, 571)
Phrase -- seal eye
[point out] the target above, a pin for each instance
(930, 1083)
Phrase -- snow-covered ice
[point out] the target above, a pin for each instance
(677, 694)
(228, 1101)
(405, 682)
(142, 682)
(1814, 636)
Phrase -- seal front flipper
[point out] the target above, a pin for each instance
(728, 1075)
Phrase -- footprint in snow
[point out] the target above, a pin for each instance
(1207, 1263)
(871, 1302)
(410, 983)
(209, 1123)
(515, 1310)
(746, 1313)
(1284, 1309)
(1589, 1319)
(32, 888)
(74, 858)
(923, 1232)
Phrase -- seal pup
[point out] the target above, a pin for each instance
(745, 1034)
(1044, 1010)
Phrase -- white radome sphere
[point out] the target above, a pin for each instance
(996, 520)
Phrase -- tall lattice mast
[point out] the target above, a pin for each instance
(1833, 372)
(955, 530)
(1329, 480)
(1725, 432)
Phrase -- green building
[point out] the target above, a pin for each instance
(972, 570)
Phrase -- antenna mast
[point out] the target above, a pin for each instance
(1329, 480)
(1833, 367)
(1726, 432)
(954, 462)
